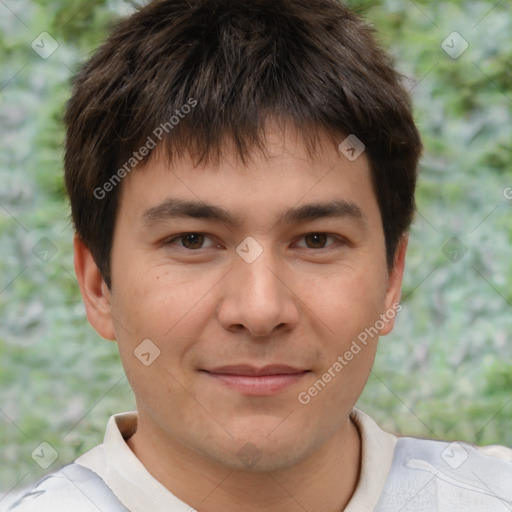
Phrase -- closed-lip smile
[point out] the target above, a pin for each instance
(257, 381)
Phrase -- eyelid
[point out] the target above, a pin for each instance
(337, 240)
(172, 239)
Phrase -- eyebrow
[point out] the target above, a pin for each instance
(178, 208)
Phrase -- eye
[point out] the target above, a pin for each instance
(189, 241)
(317, 240)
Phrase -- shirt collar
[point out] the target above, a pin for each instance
(139, 491)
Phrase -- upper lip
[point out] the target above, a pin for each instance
(244, 369)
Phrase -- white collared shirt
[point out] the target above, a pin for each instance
(139, 491)
(134, 486)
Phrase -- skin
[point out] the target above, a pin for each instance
(301, 303)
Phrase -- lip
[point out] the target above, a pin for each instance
(252, 381)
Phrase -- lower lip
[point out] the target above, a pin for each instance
(262, 385)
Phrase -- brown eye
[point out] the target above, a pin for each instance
(192, 240)
(316, 240)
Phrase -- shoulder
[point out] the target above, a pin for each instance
(73, 487)
(431, 475)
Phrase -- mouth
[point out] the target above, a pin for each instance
(253, 381)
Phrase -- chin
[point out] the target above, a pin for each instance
(265, 449)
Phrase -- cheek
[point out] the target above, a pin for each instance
(159, 302)
(169, 308)
(347, 302)
(166, 309)
(350, 312)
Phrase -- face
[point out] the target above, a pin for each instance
(253, 307)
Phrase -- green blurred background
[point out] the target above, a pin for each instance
(446, 370)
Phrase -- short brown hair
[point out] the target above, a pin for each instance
(311, 62)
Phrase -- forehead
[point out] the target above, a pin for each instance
(282, 184)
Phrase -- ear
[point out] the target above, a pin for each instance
(95, 294)
(394, 288)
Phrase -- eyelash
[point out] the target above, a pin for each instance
(338, 240)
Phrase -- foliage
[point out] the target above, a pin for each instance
(446, 369)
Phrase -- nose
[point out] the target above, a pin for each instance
(258, 297)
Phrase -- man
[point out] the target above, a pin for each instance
(241, 176)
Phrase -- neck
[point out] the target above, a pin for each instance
(323, 482)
